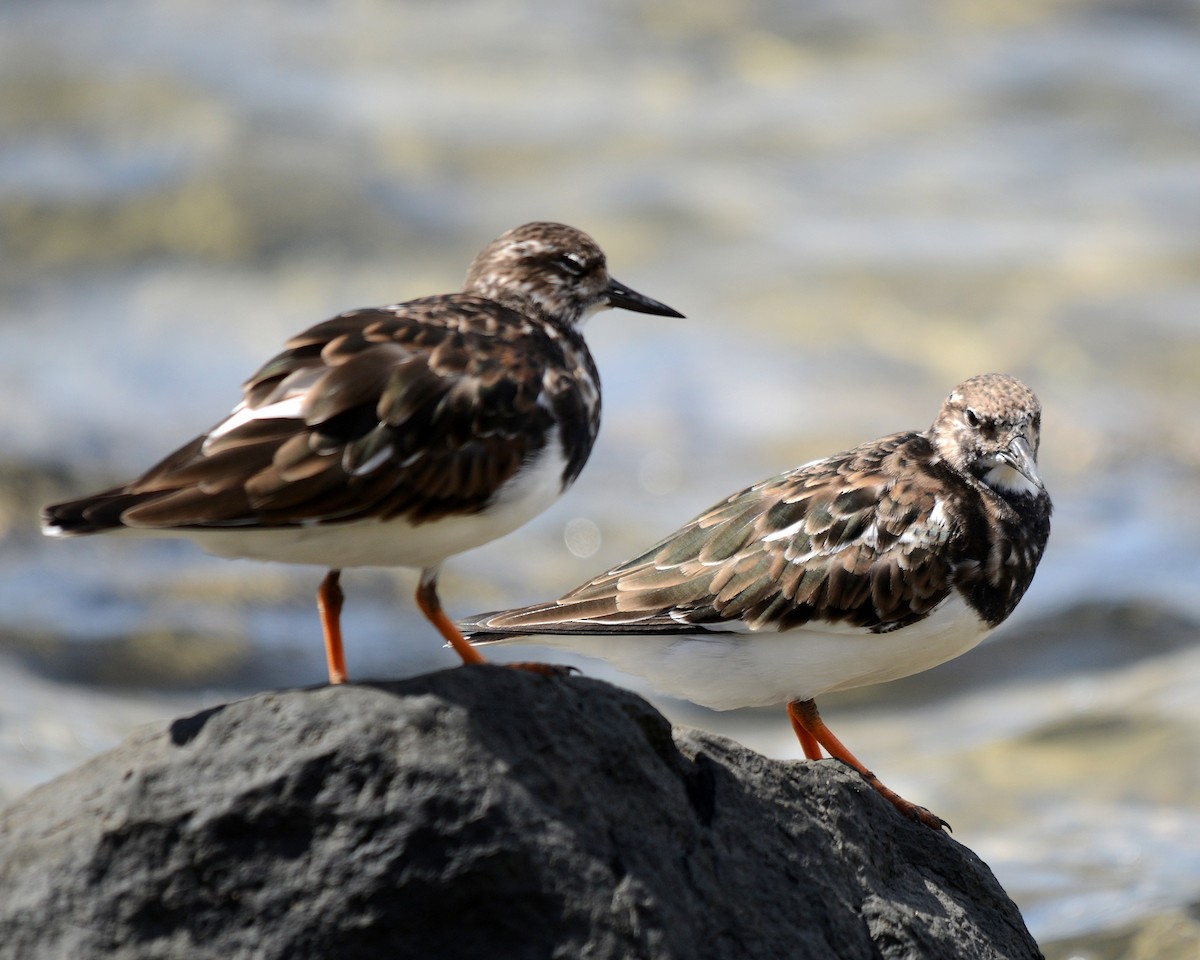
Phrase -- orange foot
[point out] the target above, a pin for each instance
(811, 731)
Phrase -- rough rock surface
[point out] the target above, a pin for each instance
(479, 812)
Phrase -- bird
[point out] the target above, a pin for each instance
(870, 565)
(395, 436)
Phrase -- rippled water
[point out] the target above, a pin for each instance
(856, 208)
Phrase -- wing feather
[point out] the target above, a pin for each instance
(853, 539)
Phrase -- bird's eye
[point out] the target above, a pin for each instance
(972, 417)
(570, 265)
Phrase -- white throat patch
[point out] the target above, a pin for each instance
(1007, 480)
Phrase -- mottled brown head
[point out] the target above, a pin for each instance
(555, 271)
(990, 427)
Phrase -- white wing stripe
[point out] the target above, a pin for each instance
(287, 409)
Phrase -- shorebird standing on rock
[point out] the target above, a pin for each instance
(867, 566)
(397, 435)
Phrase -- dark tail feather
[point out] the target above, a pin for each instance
(94, 514)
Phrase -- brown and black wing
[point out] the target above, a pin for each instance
(420, 411)
(861, 539)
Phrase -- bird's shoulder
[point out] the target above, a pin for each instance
(452, 337)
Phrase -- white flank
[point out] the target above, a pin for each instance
(727, 671)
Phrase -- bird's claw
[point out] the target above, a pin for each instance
(927, 817)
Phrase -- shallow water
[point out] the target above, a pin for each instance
(855, 208)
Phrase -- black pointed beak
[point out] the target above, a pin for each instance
(620, 295)
(1019, 455)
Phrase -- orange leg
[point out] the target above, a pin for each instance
(808, 743)
(807, 722)
(431, 606)
(329, 605)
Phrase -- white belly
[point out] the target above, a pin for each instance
(726, 671)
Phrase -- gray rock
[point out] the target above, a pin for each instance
(479, 812)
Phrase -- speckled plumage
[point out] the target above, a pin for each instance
(452, 419)
(869, 565)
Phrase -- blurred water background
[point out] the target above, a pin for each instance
(856, 205)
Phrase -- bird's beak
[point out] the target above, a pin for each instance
(620, 295)
(1019, 455)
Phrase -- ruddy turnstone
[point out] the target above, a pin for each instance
(869, 565)
(397, 435)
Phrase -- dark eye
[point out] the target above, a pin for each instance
(972, 417)
(570, 265)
